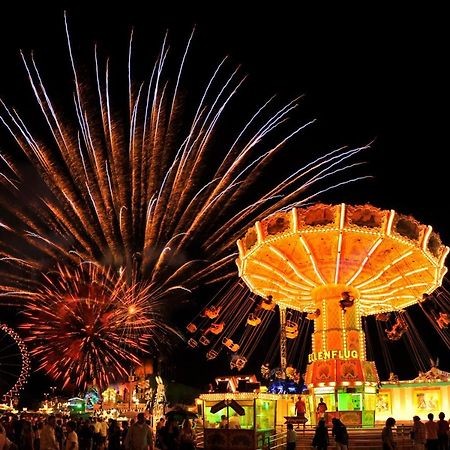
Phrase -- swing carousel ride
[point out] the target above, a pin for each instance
(335, 265)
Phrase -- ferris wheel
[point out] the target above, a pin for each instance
(14, 363)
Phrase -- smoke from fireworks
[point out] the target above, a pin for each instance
(142, 196)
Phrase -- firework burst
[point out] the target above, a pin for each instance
(140, 194)
(95, 322)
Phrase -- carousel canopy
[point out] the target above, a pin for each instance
(385, 259)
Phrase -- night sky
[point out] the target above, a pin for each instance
(372, 75)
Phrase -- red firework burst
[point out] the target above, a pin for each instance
(96, 323)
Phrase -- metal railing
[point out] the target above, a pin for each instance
(277, 440)
(199, 438)
(359, 439)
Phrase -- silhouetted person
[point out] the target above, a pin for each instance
(291, 437)
(139, 436)
(443, 430)
(300, 407)
(339, 431)
(320, 439)
(387, 437)
(187, 436)
(432, 433)
(418, 433)
(321, 408)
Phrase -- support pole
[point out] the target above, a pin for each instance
(283, 339)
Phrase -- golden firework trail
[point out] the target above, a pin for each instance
(151, 194)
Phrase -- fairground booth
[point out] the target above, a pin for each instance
(347, 387)
(428, 393)
(237, 415)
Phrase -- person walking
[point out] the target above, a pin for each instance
(387, 437)
(48, 438)
(300, 407)
(187, 436)
(171, 434)
(85, 435)
(4, 441)
(321, 409)
(26, 441)
(59, 434)
(139, 436)
(291, 437)
(72, 437)
(114, 435)
(339, 431)
(320, 439)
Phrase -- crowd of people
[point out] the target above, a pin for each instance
(50, 433)
(432, 435)
(169, 436)
(37, 432)
(321, 439)
(429, 435)
(34, 432)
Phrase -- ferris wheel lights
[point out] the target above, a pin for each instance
(25, 366)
